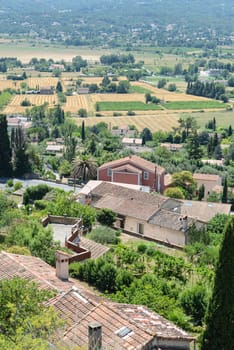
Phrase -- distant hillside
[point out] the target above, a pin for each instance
(160, 22)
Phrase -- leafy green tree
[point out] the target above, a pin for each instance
(146, 135)
(23, 314)
(148, 97)
(123, 87)
(172, 87)
(219, 320)
(106, 217)
(82, 113)
(78, 63)
(174, 192)
(185, 181)
(5, 149)
(194, 301)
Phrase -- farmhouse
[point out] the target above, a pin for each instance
(133, 170)
(117, 326)
(173, 147)
(152, 216)
(83, 90)
(123, 130)
(131, 142)
(147, 215)
(46, 90)
(208, 180)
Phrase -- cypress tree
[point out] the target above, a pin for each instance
(219, 332)
(83, 131)
(5, 149)
(225, 191)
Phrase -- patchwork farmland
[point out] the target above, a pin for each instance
(156, 117)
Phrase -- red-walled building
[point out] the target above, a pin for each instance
(133, 170)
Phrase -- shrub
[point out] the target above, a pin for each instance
(104, 235)
(35, 192)
(131, 113)
(18, 185)
(106, 217)
(10, 183)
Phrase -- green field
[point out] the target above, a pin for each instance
(127, 106)
(139, 89)
(5, 98)
(193, 105)
(223, 118)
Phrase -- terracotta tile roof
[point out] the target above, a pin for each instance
(127, 167)
(134, 160)
(96, 249)
(150, 321)
(79, 307)
(31, 268)
(206, 177)
(112, 322)
(203, 211)
(119, 191)
(127, 206)
(169, 219)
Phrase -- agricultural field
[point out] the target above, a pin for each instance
(9, 84)
(127, 106)
(179, 105)
(5, 98)
(39, 82)
(36, 100)
(154, 122)
(75, 102)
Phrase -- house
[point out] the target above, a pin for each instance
(133, 170)
(173, 147)
(54, 149)
(46, 90)
(146, 215)
(83, 90)
(131, 142)
(123, 130)
(208, 180)
(118, 326)
(152, 216)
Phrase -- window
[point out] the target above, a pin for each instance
(124, 332)
(140, 228)
(146, 175)
(109, 172)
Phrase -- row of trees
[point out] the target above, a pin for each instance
(211, 90)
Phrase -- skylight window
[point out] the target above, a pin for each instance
(124, 331)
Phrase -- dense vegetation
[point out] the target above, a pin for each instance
(106, 23)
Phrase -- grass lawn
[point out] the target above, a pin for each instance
(194, 105)
(127, 106)
(139, 89)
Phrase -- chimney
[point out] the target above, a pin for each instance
(62, 263)
(95, 336)
(185, 223)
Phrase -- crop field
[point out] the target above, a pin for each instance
(9, 84)
(5, 98)
(74, 103)
(166, 95)
(36, 100)
(154, 122)
(177, 105)
(127, 106)
(36, 82)
(140, 89)
(117, 97)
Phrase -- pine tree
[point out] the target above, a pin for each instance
(5, 149)
(219, 332)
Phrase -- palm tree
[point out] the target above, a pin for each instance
(84, 168)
